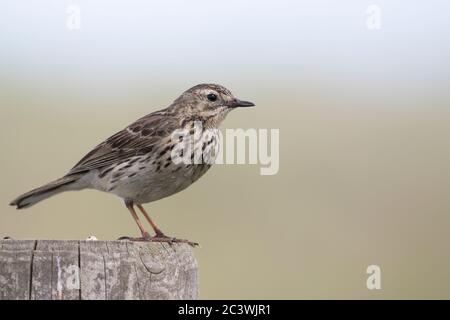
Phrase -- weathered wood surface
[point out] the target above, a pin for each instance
(52, 270)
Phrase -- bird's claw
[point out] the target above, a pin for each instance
(171, 240)
(159, 238)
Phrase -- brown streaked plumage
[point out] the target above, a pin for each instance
(137, 163)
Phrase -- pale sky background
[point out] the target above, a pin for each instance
(171, 40)
(364, 119)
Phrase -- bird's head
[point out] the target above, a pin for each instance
(210, 102)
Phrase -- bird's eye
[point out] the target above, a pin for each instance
(211, 97)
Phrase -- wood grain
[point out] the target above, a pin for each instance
(96, 270)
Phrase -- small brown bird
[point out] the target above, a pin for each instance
(141, 163)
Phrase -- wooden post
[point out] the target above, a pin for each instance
(56, 269)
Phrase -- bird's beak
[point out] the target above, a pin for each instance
(236, 103)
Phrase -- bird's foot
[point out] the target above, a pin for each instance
(159, 238)
(171, 240)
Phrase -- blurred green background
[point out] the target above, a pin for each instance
(364, 123)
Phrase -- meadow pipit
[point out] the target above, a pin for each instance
(137, 163)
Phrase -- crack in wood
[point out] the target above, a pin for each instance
(53, 269)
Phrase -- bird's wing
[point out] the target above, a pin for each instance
(140, 138)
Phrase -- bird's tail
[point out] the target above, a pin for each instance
(50, 189)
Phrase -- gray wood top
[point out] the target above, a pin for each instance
(61, 269)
